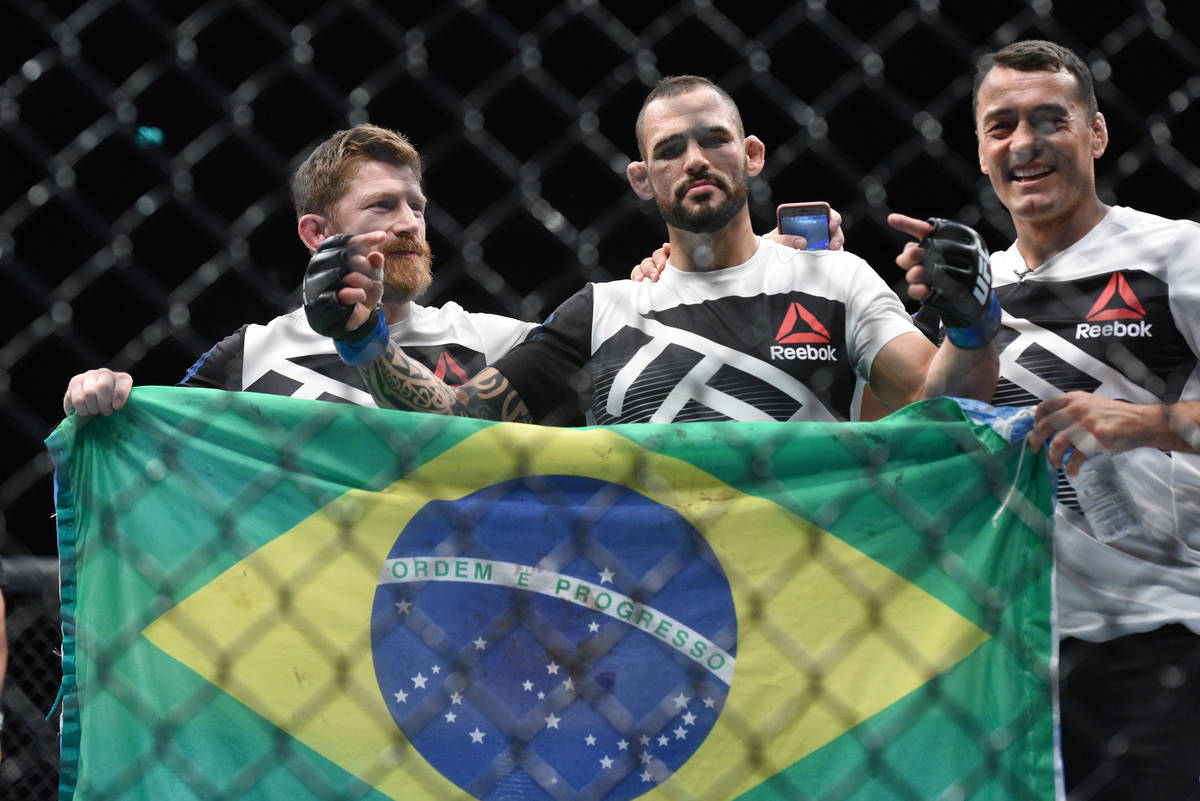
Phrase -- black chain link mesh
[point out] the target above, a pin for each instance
(146, 150)
(30, 741)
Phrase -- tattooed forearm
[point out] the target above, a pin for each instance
(489, 395)
(401, 389)
(399, 382)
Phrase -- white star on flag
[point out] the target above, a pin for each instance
(527, 685)
(606, 762)
(664, 739)
(681, 700)
(435, 670)
(710, 702)
(403, 607)
(455, 698)
(681, 733)
(622, 744)
(606, 576)
(541, 695)
(688, 718)
(644, 740)
(552, 668)
(593, 627)
(569, 684)
(402, 696)
(646, 758)
(476, 736)
(480, 643)
(552, 721)
(451, 717)
(419, 681)
(590, 739)
(645, 776)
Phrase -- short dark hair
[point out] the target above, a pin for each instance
(1037, 54)
(673, 85)
(321, 180)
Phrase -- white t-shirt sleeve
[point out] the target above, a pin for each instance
(1183, 283)
(874, 317)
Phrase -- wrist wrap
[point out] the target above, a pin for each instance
(364, 344)
(978, 335)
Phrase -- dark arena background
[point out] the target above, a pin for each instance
(146, 150)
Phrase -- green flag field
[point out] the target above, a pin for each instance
(270, 598)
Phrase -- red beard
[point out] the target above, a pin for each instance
(406, 265)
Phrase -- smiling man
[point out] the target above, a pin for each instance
(1101, 329)
(736, 328)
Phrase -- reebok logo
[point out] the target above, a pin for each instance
(1117, 302)
(1130, 309)
(800, 327)
(1140, 328)
(447, 370)
(822, 353)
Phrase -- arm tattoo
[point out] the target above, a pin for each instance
(398, 381)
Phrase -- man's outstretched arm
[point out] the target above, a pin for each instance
(911, 368)
(398, 381)
(966, 365)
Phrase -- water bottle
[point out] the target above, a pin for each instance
(1106, 502)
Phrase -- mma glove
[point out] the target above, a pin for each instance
(959, 276)
(330, 263)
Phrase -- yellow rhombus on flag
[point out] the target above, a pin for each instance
(548, 613)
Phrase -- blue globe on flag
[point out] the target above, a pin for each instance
(553, 637)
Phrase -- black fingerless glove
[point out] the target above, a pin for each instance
(959, 275)
(322, 279)
(328, 266)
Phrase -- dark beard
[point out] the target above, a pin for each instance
(406, 275)
(709, 219)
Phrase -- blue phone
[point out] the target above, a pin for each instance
(809, 220)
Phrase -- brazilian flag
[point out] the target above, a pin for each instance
(269, 598)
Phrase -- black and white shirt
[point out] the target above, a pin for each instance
(780, 337)
(286, 357)
(1116, 314)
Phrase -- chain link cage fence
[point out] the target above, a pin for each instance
(148, 146)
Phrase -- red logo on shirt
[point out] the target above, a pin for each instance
(445, 365)
(800, 326)
(1128, 307)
